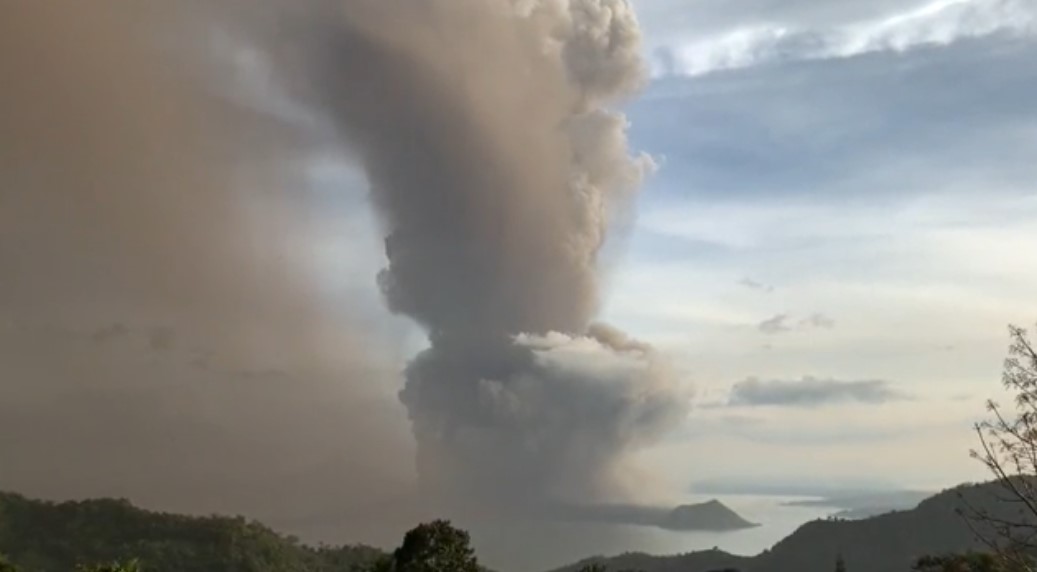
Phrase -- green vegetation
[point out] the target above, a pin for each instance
(75, 536)
(433, 547)
(5, 565)
(42, 536)
(131, 566)
(114, 536)
(971, 562)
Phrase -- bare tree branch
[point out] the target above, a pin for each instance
(1008, 449)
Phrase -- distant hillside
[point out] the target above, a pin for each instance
(864, 505)
(886, 543)
(54, 537)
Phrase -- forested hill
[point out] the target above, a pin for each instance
(41, 536)
(886, 543)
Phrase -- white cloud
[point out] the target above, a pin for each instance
(731, 50)
(939, 22)
(758, 286)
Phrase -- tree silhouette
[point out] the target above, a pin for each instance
(972, 562)
(436, 546)
(1008, 448)
(131, 566)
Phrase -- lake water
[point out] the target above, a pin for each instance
(536, 547)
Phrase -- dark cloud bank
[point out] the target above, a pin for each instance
(811, 392)
(160, 339)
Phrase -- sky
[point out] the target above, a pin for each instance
(836, 237)
(837, 232)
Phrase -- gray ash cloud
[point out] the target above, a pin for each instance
(498, 168)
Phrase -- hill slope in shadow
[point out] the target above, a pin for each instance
(884, 543)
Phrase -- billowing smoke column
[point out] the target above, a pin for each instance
(498, 169)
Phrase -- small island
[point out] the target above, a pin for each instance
(711, 516)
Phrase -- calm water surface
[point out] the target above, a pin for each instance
(536, 547)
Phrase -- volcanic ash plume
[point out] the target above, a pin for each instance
(498, 169)
(160, 337)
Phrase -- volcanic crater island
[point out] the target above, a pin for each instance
(713, 516)
(710, 516)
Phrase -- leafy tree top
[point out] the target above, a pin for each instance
(6, 566)
(436, 546)
(972, 562)
(131, 566)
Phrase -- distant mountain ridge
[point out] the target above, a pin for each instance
(866, 504)
(803, 487)
(887, 543)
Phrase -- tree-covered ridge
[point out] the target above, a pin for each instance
(114, 536)
(40, 536)
(896, 541)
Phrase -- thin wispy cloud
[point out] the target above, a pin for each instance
(811, 392)
(754, 285)
(784, 323)
(937, 23)
(777, 325)
(817, 321)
